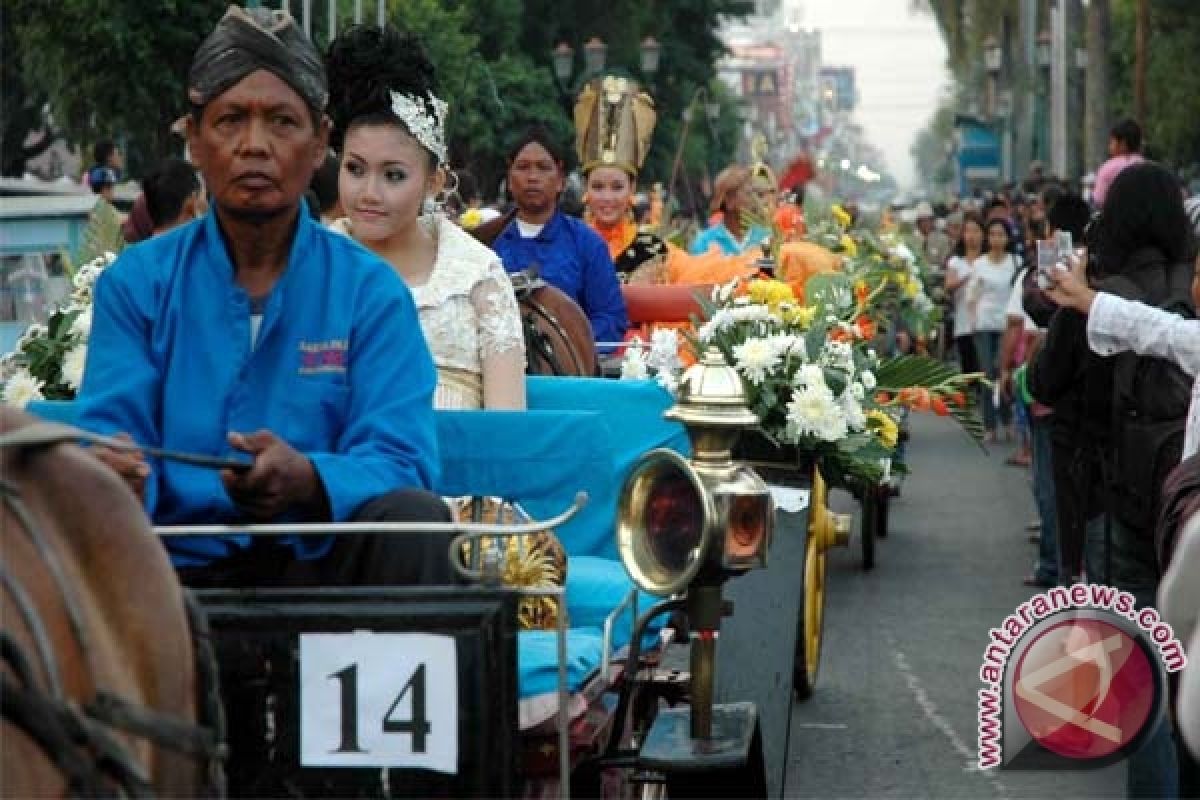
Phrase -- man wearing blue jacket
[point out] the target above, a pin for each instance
(255, 333)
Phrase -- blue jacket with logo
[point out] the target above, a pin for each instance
(573, 257)
(340, 371)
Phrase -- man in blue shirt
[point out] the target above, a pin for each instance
(256, 333)
(566, 251)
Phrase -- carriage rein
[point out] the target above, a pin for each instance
(79, 739)
(537, 343)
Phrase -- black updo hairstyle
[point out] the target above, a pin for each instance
(365, 64)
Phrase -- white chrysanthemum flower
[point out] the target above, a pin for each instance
(901, 251)
(809, 375)
(633, 365)
(867, 377)
(856, 419)
(857, 391)
(22, 389)
(669, 381)
(82, 326)
(755, 358)
(812, 411)
(721, 294)
(664, 350)
(751, 313)
(838, 355)
(720, 321)
(786, 344)
(72, 366)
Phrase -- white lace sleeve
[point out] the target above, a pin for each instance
(499, 318)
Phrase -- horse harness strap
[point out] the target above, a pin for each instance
(76, 739)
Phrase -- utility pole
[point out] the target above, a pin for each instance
(1059, 161)
(1096, 102)
(1142, 31)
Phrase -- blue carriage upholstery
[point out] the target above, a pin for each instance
(579, 434)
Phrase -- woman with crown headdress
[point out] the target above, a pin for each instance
(390, 128)
(614, 122)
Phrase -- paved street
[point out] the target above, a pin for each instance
(894, 710)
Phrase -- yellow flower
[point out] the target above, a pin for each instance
(883, 426)
(801, 316)
(848, 246)
(840, 214)
(911, 287)
(470, 218)
(770, 293)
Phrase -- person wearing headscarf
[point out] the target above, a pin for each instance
(256, 335)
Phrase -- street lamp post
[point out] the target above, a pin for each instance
(993, 61)
(595, 56)
(1040, 135)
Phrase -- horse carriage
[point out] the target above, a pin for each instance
(435, 691)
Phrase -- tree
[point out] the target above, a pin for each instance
(1172, 77)
(114, 68)
(24, 101)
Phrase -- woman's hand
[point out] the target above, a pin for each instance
(1069, 287)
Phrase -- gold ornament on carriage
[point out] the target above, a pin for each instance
(532, 561)
(614, 121)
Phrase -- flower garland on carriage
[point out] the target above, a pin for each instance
(48, 361)
(808, 357)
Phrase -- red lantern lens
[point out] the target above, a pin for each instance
(674, 522)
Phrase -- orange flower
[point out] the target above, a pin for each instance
(883, 398)
(916, 398)
(959, 399)
(939, 407)
(861, 292)
(866, 327)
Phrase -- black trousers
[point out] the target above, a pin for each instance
(365, 559)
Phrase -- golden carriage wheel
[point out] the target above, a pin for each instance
(812, 610)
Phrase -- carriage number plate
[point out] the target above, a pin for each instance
(379, 700)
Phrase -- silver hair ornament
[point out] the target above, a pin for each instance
(427, 128)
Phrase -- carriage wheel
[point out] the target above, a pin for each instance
(811, 624)
(869, 525)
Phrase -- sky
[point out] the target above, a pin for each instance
(900, 64)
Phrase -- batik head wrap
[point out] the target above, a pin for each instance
(246, 40)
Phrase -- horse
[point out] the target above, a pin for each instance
(99, 674)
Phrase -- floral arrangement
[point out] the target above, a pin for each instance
(49, 358)
(810, 374)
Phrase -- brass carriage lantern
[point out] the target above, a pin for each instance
(684, 526)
